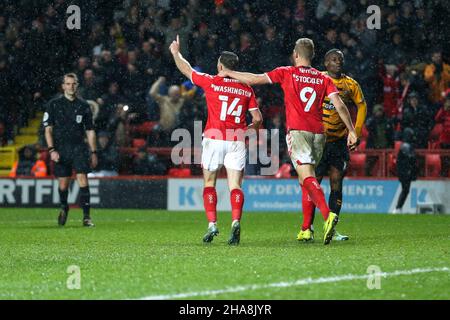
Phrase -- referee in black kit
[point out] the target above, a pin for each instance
(67, 120)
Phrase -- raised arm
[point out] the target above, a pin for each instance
(182, 64)
(246, 77)
(341, 108)
(154, 90)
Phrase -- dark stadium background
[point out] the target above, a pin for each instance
(36, 48)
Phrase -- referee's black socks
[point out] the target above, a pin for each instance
(85, 197)
(63, 199)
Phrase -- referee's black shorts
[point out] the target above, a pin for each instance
(72, 158)
(335, 154)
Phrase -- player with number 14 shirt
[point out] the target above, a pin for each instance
(223, 142)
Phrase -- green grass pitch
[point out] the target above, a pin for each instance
(132, 254)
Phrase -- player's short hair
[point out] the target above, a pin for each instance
(70, 75)
(329, 52)
(305, 48)
(229, 60)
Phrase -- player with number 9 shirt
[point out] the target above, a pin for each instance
(304, 90)
(223, 144)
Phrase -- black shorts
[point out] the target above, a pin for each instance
(335, 154)
(73, 158)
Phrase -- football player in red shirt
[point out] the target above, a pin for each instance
(223, 143)
(304, 91)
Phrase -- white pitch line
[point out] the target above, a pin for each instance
(300, 282)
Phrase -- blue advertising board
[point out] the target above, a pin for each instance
(359, 196)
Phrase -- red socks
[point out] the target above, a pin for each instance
(210, 203)
(316, 194)
(237, 202)
(308, 209)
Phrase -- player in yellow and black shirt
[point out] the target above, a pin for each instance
(336, 156)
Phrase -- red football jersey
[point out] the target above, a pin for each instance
(304, 90)
(227, 101)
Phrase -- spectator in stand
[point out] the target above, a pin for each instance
(393, 52)
(391, 87)
(406, 23)
(443, 117)
(82, 65)
(247, 53)
(108, 105)
(28, 165)
(169, 108)
(381, 130)
(117, 124)
(108, 157)
(381, 134)
(200, 40)
(3, 140)
(389, 26)
(406, 167)
(90, 90)
(134, 86)
(148, 164)
(178, 25)
(271, 55)
(108, 68)
(150, 61)
(418, 117)
(437, 74)
(329, 9)
(361, 70)
(331, 41)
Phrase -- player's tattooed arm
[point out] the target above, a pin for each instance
(182, 64)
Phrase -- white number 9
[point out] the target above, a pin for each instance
(309, 100)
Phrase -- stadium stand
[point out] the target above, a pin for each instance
(121, 50)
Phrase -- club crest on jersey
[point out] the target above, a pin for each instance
(328, 106)
(79, 118)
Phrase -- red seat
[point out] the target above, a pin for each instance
(362, 145)
(434, 145)
(357, 164)
(397, 146)
(178, 172)
(433, 138)
(433, 165)
(144, 128)
(138, 143)
(284, 171)
(364, 133)
(392, 164)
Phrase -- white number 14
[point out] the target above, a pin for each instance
(231, 109)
